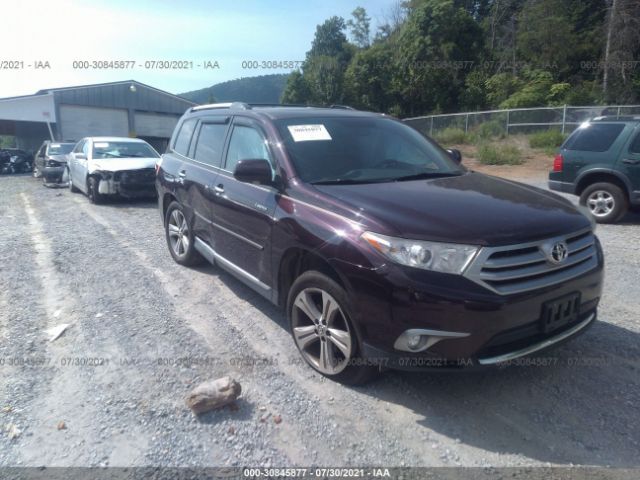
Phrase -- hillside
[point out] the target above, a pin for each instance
(260, 89)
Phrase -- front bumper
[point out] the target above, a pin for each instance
(130, 184)
(394, 300)
(53, 174)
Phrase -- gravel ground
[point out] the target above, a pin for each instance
(156, 329)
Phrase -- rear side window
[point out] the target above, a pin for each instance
(183, 139)
(635, 146)
(594, 137)
(211, 143)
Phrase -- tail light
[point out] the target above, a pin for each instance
(558, 163)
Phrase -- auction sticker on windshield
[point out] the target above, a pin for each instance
(307, 133)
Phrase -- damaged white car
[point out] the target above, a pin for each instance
(103, 166)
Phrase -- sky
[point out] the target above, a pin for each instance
(43, 39)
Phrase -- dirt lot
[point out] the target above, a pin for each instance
(118, 376)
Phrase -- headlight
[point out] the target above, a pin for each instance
(439, 257)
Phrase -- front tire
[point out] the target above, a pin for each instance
(180, 238)
(92, 191)
(606, 202)
(320, 323)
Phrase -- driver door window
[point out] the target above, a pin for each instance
(246, 143)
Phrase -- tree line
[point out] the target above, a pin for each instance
(439, 56)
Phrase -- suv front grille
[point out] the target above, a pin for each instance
(519, 268)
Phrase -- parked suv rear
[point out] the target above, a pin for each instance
(600, 162)
(383, 250)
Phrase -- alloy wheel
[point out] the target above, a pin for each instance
(601, 203)
(178, 233)
(321, 331)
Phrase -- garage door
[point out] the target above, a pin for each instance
(150, 125)
(78, 122)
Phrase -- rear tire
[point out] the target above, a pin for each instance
(180, 238)
(606, 202)
(92, 191)
(320, 323)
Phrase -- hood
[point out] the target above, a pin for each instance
(58, 158)
(120, 164)
(472, 208)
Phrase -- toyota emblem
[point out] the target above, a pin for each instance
(559, 253)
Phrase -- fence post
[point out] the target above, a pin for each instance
(431, 129)
(508, 111)
(466, 123)
(618, 116)
(564, 117)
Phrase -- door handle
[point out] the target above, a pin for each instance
(219, 188)
(630, 161)
(182, 173)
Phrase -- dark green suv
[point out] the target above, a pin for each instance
(600, 162)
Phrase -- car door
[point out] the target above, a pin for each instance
(242, 212)
(82, 166)
(629, 162)
(202, 171)
(40, 157)
(73, 163)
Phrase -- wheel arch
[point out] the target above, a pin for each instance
(297, 260)
(597, 176)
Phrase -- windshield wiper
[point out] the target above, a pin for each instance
(420, 176)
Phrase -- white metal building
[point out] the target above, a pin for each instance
(127, 108)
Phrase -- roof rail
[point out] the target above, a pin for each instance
(213, 106)
(344, 107)
(621, 118)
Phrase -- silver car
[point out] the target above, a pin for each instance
(103, 166)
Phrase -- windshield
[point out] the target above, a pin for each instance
(60, 148)
(123, 150)
(361, 150)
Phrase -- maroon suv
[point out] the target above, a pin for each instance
(384, 250)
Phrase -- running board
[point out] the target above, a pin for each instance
(212, 256)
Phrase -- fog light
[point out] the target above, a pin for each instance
(413, 342)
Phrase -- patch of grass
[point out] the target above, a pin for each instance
(451, 136)
(547, 140)
(489, 154)
(489, 130)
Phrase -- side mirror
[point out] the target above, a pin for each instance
(80, 156)
(455, 155)
(254, 171)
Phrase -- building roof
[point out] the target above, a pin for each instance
(47, 91)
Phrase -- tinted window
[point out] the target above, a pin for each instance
(123, 150)
(183, 139)
(360, 149)
(635, 145)
(246, 143)
(210, 143)
(594, 137)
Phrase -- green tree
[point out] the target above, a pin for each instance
(360, 27)
(369, 79)
(436, 47)
(297, 90)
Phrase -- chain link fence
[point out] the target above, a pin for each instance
(519, 120)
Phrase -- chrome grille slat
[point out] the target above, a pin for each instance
(537, 269)
(524, 259)
(520, 268)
